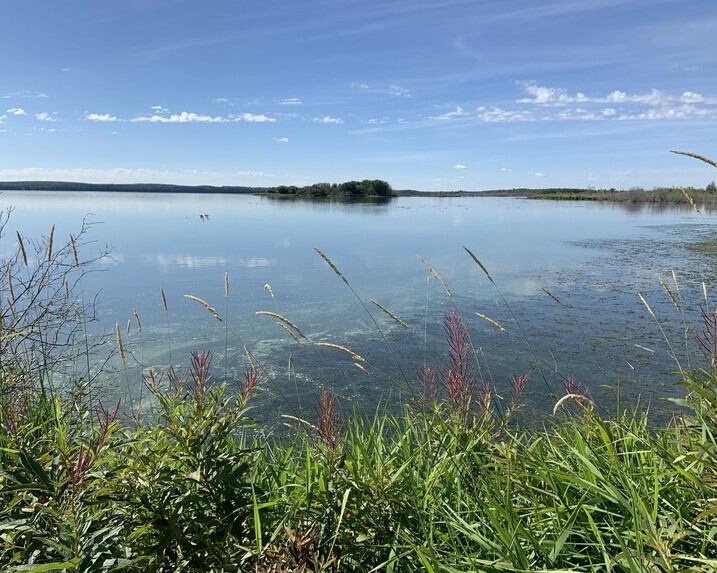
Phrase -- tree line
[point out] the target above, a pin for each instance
(349, 189)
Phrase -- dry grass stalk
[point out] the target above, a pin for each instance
(669, 292)
(389, 313)
(226, 285)
(120, 346)
(290, 332)
(9, 282)
(551, 295)
(332, 265)
(136, 317)
(22, 247)
(704, 290)
(476, 261)
(205, 304)
(690, 200)
(129, 325)
(283, 320)
(164, 299)
(73, 244)
(579, 398)
(493, 322)
(697, 156)
(50, 238)
(351, 353)
(438, 277)
(647, 306)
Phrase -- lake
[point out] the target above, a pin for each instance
(592, 259)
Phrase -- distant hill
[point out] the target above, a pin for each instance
(123, 187)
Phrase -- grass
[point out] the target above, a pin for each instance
(194, 485)
(451, 482)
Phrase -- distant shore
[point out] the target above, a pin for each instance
(668, 195)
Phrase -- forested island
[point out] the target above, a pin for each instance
(367, 188)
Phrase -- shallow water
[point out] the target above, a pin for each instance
(593, 258)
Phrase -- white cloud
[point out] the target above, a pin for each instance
(126, 175)
(100, 117)
(253, 118)
(458, 112)
(281, 139)
(2, 118)
(184, 117)
(23, 94)
(44, 116)
(505, 170)
(497, 114)
(540, 174)
(460, 166)
(328, 119)
(398, 91)
(16, 111)
(542, 95)
(290, 101)
(692, 97)
(159, 109)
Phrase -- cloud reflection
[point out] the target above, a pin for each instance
(168, 261)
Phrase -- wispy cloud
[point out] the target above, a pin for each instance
(544, 103)
(390, 89)
(163, 116)
(456, 113)
(44, 116)
(328, 119)
(23, 94)
(398, 91)
(102, 117)
(460, 166)
(290, 101)
(133, 175)
(16, 111)
(281, 139)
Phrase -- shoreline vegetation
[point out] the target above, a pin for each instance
(378, 190)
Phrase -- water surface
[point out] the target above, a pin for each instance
(593, 258)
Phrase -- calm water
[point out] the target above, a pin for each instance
(594, 258)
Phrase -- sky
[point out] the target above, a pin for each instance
(425, 94)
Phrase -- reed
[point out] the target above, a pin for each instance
(206, 305)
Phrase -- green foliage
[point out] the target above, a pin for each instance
(348, 190)
(56, 510)
(184, 479)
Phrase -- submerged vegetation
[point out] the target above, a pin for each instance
(453, 481)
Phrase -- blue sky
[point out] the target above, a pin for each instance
(426, 94)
